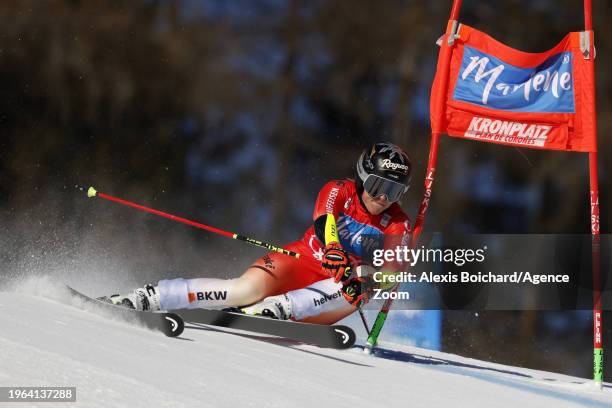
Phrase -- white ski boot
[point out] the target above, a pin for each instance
(146, 299)
(275, 307)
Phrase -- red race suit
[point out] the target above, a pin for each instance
(340, 198)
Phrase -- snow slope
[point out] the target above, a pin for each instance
(47, 342)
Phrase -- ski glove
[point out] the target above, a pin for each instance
(336, 262)
(358, 290)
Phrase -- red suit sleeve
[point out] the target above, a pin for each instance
(331, 199)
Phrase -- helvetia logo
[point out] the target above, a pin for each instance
(504, 131)
(326, 297)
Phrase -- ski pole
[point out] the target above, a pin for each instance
(444, 63)
(92, 192)
(331, 235)
(364, 321)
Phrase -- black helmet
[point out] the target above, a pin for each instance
(384, 169)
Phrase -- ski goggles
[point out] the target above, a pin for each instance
(377, 186)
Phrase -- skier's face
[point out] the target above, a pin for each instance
(375, 205)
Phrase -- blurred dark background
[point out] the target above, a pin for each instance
(235, 113)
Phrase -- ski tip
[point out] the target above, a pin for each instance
(174, 325)
(91, 192)
(345, 336)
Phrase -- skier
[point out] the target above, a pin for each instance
(321, 286)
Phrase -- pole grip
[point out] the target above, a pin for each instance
(266, 245)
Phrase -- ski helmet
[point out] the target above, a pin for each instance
(384, 169)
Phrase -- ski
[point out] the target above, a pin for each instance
(168, 323)
(335, 336)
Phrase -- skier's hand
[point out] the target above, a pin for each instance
(336, 262)
(358, 290)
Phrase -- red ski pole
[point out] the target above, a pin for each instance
(598, 367)
(92, 192)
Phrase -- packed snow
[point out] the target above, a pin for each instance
(47, 340)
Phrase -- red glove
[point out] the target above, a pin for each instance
(336, 262)
(358, 290)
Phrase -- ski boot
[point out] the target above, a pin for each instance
(145, 299)
(274, 307)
